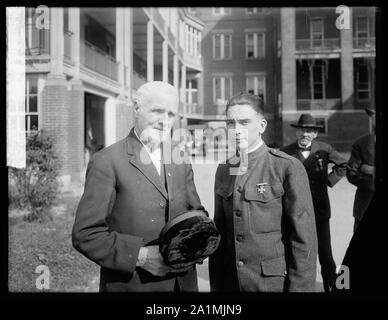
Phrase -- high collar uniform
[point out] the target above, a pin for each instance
(267, 226)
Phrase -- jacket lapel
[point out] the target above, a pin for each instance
(295, 152)
(312, 157)
(168, 166)
(140, 159)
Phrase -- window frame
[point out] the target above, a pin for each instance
(222, 87)
(314, 82)
(358, 90)
(223, 11)
(322, 33)
(28, 113)
(367, 31)
(256, 10)
(222, 45)
(255, 45)
(255, 84)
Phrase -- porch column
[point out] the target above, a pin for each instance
(347, 89)
(165, 60)
(56, 42)
(176, 71)
(74, 24)
(150, 51)
(288, 58)
(120, 47)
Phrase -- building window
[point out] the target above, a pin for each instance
(252, 10)
(218, 11)
(362, 80)
(256, 85)
(318, 87)
(31, 104)
(35, 38)
(316, 32)
(222, 89)
(362, 31)
(222, 46)
(254, 45)
(192, 91)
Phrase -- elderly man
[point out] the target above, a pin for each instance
(263, 211)
(316, 156)
(130, 194)
(361, 171)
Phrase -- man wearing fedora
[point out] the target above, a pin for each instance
(316, 156)
(361, 171)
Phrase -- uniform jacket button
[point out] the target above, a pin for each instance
(239, 238)
(238, 213)
(240, 263)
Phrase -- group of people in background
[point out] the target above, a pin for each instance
(272, 206)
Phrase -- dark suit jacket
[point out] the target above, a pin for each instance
(124, 207)
(363, 152)
(268, 236)
(316, 166)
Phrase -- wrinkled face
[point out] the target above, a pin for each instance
(306, 135)
(155, 117)
(245, 125)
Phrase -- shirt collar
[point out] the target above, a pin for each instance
(308, 146)
(256, 147)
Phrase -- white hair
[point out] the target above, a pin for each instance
(143, 93)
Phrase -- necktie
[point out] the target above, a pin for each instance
(304, 148)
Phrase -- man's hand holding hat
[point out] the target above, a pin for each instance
(151, 260)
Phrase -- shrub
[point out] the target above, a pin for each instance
(36, 186)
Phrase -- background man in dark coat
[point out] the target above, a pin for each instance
(264, 213)
(316, 157)
(130, 194)
(362, 170)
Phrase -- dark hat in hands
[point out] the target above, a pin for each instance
(370, 111)
(306, 120)
(188, 239)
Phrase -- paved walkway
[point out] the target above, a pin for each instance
(341, 198)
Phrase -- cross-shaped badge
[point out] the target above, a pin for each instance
(260, 187)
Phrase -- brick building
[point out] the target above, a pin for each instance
(298, 61)
(334, 71)
(240, 54)
(82, 70)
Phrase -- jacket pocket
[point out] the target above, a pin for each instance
(274, 267)
(265, 207)
(274, 274)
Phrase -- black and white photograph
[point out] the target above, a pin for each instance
(189, 149)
